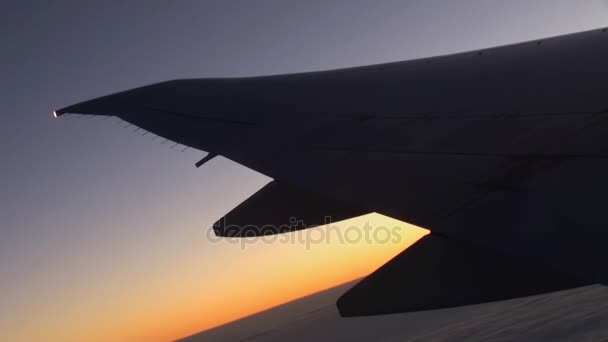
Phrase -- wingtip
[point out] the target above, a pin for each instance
(58, 112)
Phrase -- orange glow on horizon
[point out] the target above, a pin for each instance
(294, 272)
(159, 302)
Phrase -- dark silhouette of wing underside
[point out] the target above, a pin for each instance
(278, 208)
(500, 150)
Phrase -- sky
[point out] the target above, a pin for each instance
(104, 232)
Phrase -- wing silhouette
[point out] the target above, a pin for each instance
(502, 153)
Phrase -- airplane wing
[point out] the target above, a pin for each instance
(502, 153)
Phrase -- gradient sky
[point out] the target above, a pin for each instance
(102, 231)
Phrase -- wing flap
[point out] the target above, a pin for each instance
(280, 208)
(437, 273)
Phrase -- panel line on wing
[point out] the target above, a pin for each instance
(205, 118)
(487, 115)
(467, 154)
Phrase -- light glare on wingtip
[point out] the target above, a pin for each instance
(55, 113)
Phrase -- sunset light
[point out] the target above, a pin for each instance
(191, 129)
